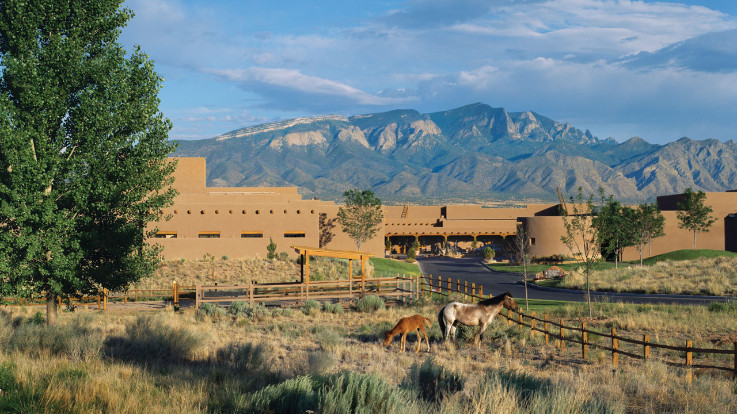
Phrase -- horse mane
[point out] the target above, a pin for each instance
(494, 300)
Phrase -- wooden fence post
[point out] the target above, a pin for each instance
(509, 319)
(584, 341)
(465, 290)
(473, 293)
(562, 336)
(532, 324)
(450, 287)
(99, 305)
(175, 293)
(689, 361)
(615, 348)
(104, 299)
(458, 286)
(481, 291)
(521, 322)
(646, 347)
(734, 374)
(197, 296)
(547, 326)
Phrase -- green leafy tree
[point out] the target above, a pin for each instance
(617, 230)
(694, 215)
(488, 253)
(650, 224)
(582, 235)
(83, 151)
(362, 215)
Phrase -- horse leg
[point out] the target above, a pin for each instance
(419, 340)
(453, 332)
(427, 341)
(404, 340)
(449, 331)
(480, 335)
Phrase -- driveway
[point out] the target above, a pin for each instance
(494, 282)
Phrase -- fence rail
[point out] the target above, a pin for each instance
(398, 287)
(442, 287)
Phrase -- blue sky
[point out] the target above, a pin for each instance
(659, 70)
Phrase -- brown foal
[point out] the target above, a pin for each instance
(407, 325)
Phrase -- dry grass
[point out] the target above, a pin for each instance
(706, 276)
(241, 271)
(238, 356)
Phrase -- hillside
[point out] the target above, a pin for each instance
(468, 153)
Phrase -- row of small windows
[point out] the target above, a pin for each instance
(244, 211)
(216, 234)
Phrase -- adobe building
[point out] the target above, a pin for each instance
(240, 222)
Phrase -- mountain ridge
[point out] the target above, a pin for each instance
(462, 153)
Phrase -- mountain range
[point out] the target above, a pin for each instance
(471, 153)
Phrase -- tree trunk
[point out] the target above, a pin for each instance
(694, 239)
(50, 309)
(588, 294)
(527, 304)
(641, 247)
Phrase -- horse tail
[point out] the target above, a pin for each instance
(441, 322)
(428, 322)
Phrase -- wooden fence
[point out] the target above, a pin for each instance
(391, 287)
(585, 337)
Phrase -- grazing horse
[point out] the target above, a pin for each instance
(472, 315)
(406, 325)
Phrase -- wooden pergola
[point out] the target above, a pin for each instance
(351, 255)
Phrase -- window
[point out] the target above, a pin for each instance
(532, 241)
(208, 235)
(294, 234)
(166, 235)
(251, 234)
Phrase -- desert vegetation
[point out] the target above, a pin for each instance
(704, 276)
(315, 357)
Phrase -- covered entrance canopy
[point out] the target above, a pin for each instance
(351, 255)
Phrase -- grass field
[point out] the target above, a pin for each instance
(274, 360)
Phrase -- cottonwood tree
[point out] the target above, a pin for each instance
(362, 215)
(582, 235)
(83, 149)
(694, 215)
(650, 225)
(617, 229)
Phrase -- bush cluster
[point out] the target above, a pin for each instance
(370, 303)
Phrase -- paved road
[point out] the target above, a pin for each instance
(473, 271)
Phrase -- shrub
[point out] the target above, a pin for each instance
(332, 307)
(411, 254)
(350, 392)
(729, 306)
(210, 310)
(488, 253)
(309, 305)
(271, 249)
(225, 257)
(296, 395)
(434, 381)
(238, 308)
(327, 338)
(150, 338)
(243, 356)
(283, 256)
(320, 362)
(76, 339)
(370, 303)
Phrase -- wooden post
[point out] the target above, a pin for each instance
(481, 291)
(547, 327)
(307, 269)
(521, 322)
(125, 297)
(509, 319)
(584, 340)
(562, 336)
(646, 347)
(689, 361)
(450, 287)
(174, 291)
(473, 293)
(250, 292)
(458, 286)
(465, 290)
(532, 324)
(99, 305)
(104, 299)
(350, 269)
(615, 348)
(734, 374)
(197, 293)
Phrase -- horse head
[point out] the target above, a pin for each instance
(509, 302)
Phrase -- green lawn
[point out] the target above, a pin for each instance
(389, 267)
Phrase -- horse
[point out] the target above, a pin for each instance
(406, 325)
(473, 314)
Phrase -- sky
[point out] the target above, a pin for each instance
(660, 70)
